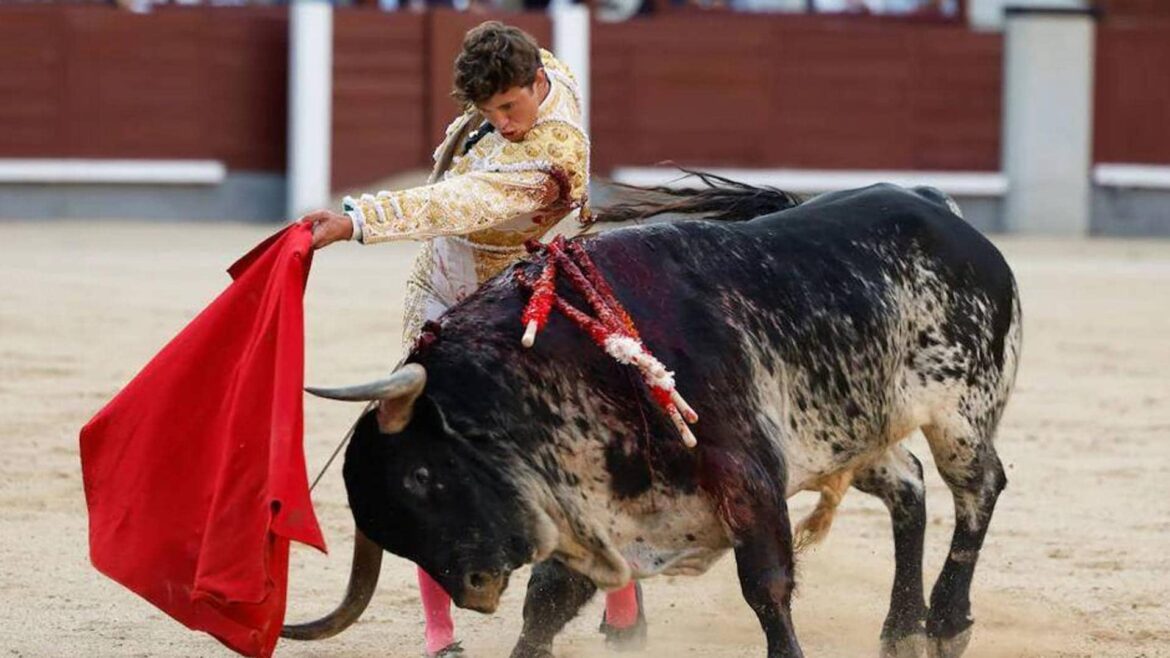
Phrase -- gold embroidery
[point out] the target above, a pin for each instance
(498, 195)
(491, 263)
(456, 206)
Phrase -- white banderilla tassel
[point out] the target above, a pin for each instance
(657, 375)
(623, 348)
(627, 350)
(529, 334)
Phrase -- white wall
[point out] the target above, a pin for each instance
(988, 14)
(310, 105)
(1048, 122)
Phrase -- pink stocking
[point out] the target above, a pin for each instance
(621, 607)
(440, 628)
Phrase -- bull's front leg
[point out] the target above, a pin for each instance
(763, 558)
(755, 511)
(555, 595)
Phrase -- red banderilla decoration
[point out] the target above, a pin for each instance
(613, 330)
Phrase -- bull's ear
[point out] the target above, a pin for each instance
(395, 411)
(394, 415)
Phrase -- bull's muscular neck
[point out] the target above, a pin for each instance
(550, 446)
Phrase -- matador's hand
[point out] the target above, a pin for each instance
(328, 227)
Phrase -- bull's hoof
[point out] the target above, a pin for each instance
(907, 646)
(625, 639)
(949, 647)
(453, 650)
(529, 651)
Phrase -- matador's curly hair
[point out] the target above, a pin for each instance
(495, 58)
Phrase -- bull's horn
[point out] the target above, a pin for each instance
(408, 380)
(363, 578)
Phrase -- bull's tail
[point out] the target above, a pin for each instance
(815, 527)
(716, 198)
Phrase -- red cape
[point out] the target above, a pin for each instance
(195, 474)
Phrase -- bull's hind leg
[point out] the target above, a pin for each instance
(896, 479)
(967, 461)
(555, 595)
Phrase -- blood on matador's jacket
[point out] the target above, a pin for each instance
(810, 338)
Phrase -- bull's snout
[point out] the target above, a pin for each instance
(482, 590)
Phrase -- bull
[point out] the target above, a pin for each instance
(811, 338)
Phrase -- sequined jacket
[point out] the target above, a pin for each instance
(485, 201)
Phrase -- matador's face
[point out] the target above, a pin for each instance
(513, 111)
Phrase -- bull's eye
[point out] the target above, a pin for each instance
(422, 477)
(418, 481)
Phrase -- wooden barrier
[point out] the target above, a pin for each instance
(796, 91)
(1132, 91)
(380, 103)
(95, 82)
(1134, 8)
(711, 89)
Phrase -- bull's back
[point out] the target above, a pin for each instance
(825, 324)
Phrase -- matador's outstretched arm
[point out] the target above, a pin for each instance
(456, 206)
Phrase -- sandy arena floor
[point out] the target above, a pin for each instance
(1077, 562)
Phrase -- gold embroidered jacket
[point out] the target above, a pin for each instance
(483, 204)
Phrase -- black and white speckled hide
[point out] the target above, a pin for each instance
(810, 342)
